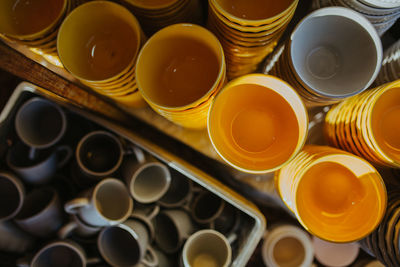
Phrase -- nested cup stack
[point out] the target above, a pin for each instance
(390, 70)
(367, 125)
(248, 30)
(343, 61)
(98, 43)
(179, 70)
(34, 24)
(154, 15)
(335, 195)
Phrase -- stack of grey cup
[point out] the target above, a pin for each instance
(382, 14)
(390, 69)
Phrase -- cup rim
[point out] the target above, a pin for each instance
(202, 232)
(21, 193)
(214, 86)
(92, 4)
(48, 103)
(70, 244)
(355, 17)
(90, 135)
(283, 231)
(302, 136)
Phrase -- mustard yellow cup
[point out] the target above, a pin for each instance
(257, 123)
(98, 43)
(179, 69)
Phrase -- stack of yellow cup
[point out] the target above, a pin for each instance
(34, 24)
(98, 43)
(248, 30)
(179, 70)
(335, 195)
(154, 15)
(368, 125)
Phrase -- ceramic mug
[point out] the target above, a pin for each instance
(41, 214)
(12, 192)
(40, 170)
(180, 191)
(147, 179)
(107, 203)
(126, 244)
(78, 227)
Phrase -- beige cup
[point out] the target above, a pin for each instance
(107, 203)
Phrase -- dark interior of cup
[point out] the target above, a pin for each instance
(35, 202)
(60, 256)
(10, 197)
(167, 236)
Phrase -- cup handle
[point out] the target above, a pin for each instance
(73, 206)
(150, 259)
(154, 212)
(139, 154)
(32, 153)
(66, 153)
(93, 260)
(66, 230)
(232, 238)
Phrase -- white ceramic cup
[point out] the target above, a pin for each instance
(12, 194)
(65, 253)
(41, 170)
(172, 228)
(41, 214)
(13, 239)
(126, 244)
(287, 245)
(207, 248)
(335, 254)
(345, 58)
(107, 203)
(99, 154)
(147, 179)
(78, 227)
(40, 124)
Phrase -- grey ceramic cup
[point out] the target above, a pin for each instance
(126, 244)
(180, 191)
(65, 253)
(107, 203)
(147, 179)
(172, 228)
(12, 194)
(77, 227)
(13, 239)
(40, 123)
(99, 154)
(41, 214)
(207, 248)
(40, 170)
(345, 58)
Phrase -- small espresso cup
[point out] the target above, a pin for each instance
(207, 248)
(41, 214)
(147, 179)
(287, 245)
(208, 208)
(172, 228)
(40, 170)
(12, 194)
(40, 124)
(77, 227)
(99, 154)
(107, 203)
(126, 244)
(65, 253)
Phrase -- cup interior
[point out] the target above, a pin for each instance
(188, 61)
(35, 203)
(167, 235)
(255, 126)
(207, 206)
(99, 152)
(150, 183)
(208, 248)
(24, 18)
(102, 49)
(288, 252)
(59, 255)
(179, 189)
(343, 60)
(40, 123)
(112, 199)
(384, 117)
(350, 201)
(11, 195)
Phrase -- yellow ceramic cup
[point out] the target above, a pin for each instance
(335, 195)
(179, 68)
(257, 123)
